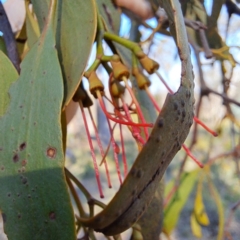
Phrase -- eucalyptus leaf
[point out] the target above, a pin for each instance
(8, 74)
(75, 19)
(34, 199)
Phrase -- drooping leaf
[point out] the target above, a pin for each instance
(34, 199)
(8, 74)
(220, 209)
(178, 201)
(199, 209)
(75, 20)
(196, 228)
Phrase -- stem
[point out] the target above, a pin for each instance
(125, 42)
(9, 38)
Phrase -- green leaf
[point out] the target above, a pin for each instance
(34, 199)
(8, 74)
(178, 201)
(75, 20)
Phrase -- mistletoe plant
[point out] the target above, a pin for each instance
(34, 183)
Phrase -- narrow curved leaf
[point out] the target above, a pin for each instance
(196, 228)
(219, 204)
(178, 201)
(75, 20)
(34, 199)
(199, 209)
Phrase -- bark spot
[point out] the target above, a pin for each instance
(160, 123)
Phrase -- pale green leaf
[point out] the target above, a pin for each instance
(179, 199)
(76, 29)
(8, 74)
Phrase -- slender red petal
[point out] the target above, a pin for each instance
(135, 130)
(92, 151)
(163, 81)
(205, 127)
(191, 156)
(101, 148)
(115, 147)
(125, 167)
(137, 105)
(152, 99)
(118, 120)
(195, 118)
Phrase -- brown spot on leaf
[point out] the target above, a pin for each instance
(24, 162)
(15, 158)
(22, 146)
(51, 152)
(52, 215)
(24, 180)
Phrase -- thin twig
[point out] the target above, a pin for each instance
(9, 38)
